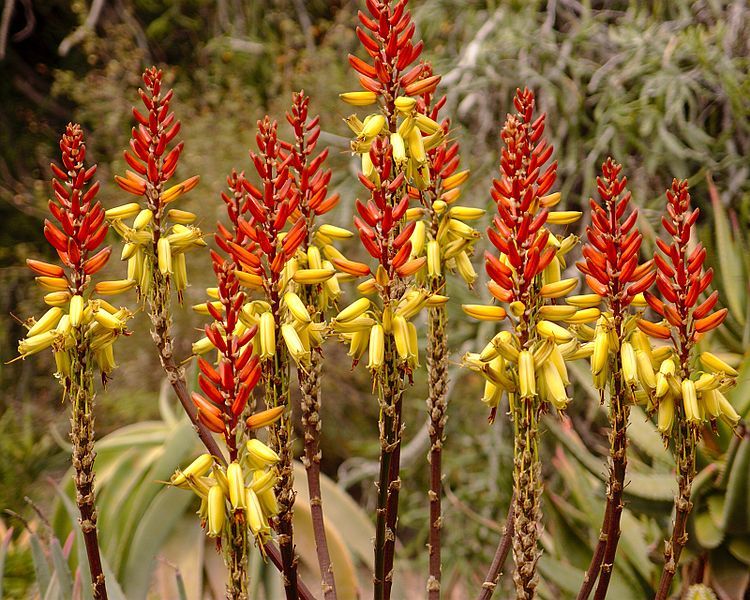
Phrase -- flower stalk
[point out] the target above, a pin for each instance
(311, 188)
(286, 331)
(80, 329)
(159, 237)
(500, 556)
(612, 272)
(528, 362)
(393, 151)
(446, 241)
(682, 398)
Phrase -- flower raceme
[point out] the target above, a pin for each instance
(611, 269)
(678, 391)
(75, 315)
(309, 302)
(527, 272)
(159, 236)
(311, 268)
(683, 397)
(243, 490)
(387, 36)
(392, 147)
(245, 486)
(268, 230)
(80, 328)
(440, 233)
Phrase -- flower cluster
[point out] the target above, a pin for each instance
(241, 492)
(226, 387)
(156, 243)
(314, 286)
(681, 281)
(531, 360)
(393, 143)
(612, 271)
(441, 234)
(75, 316)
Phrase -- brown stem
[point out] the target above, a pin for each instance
(685, 445)
(81, 392)
(390, 393)
(274, 554)
(161, 334)
(391, 512)
(501, 555)
(619, 410)
(437, 404)
(589, 579)
(309, 383)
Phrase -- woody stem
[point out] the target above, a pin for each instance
(81, 392)
(501, 555)
(310, 389)
(619, 413)
(437, 404)
(686, 442)
(390, 392)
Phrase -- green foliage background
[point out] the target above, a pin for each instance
(661, 85)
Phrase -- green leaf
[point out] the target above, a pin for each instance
(53, 591)
(729, 254)
(560, 574)
(654, 487)
(41, 564)
(154, 527)
(348, 529)
(740, 548)
(643, 434)
(708, 535)
(634, 544)
(180, 444)
(737, 507)
(740, 396)
(186, 552)
(729, 577)
(715, 504)
(348, 516)
(83, 561)
(62, 570)
(4, 544)
(114, 591)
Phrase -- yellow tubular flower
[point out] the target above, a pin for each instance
(526, 374)
(216, 511)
